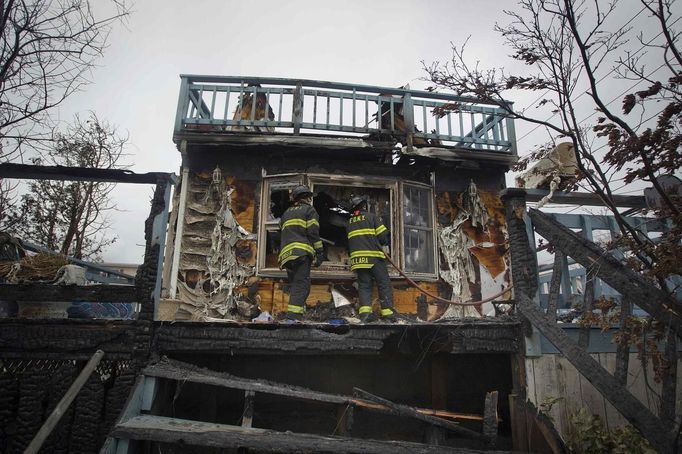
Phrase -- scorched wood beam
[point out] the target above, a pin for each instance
(68, 293)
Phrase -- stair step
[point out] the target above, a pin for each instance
(197, 433)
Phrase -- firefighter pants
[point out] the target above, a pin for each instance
(378, 273)
(298, 272)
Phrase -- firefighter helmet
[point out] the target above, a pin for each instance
(357, 201)
(300, 191)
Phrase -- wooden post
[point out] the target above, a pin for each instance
(408, 115)
(554, 286)
(247, 419)
(523, 259)
(590, 281)
(179, 229)
(63, 405)
(490, 417)
(297, 113)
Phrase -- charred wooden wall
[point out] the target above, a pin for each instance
(40, 359)
(241, 178)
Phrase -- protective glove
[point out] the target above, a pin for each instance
(319, 258)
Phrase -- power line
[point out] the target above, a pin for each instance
(600, 80)
(624, 25)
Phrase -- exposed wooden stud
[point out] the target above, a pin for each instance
(179, 229)
(247, 418)
(490, 417)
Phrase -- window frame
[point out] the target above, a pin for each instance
(396, 219)
(433, 274)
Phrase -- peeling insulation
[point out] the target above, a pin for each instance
(217, 252)
(472, 245)
(454, 246)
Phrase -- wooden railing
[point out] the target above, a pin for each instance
(225, 104)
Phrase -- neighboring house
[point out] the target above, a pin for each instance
(436, 191)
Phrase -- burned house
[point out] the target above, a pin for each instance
(207, 365)
(245, 143)
(437, 192)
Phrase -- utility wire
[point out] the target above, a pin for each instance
(546, 91)
(598, 81)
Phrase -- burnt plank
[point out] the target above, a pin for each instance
(176, 370)
(36, 292)
(246, 339)
(170, 430)
(626, 281)
(632, 409)
(32, 172)
(407, 411)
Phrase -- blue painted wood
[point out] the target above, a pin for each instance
(486, 136)
(148, 393)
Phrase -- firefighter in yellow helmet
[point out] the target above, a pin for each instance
(366, 236)
(300, 245)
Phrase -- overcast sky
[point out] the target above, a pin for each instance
(374, 42)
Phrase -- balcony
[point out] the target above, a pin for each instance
(217, 107)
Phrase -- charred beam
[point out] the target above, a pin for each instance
(653, 300)
(176, 370)
(36, 292)
(26, 172)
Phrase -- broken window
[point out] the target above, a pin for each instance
(406, 209)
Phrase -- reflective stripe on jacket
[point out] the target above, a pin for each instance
(300, 233)
(366, 235)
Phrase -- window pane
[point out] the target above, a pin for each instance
(418, 251)
(417, 207)
(418, 234)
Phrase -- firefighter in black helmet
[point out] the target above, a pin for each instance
(366, 236)
(300, 243)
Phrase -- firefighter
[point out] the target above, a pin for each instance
(366, 236)
(300, 245)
